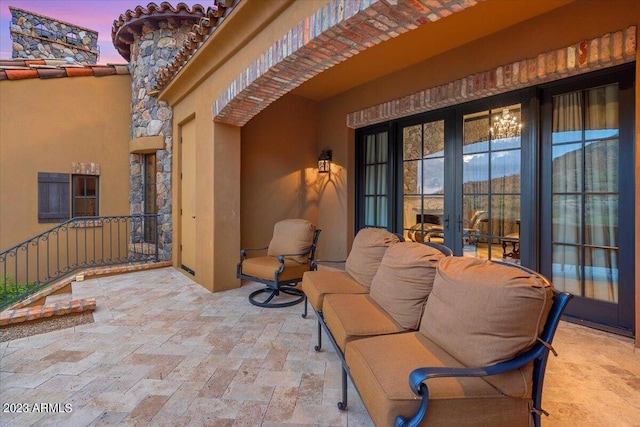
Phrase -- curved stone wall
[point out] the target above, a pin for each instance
(151, 50)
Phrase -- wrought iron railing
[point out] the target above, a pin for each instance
(79, 243)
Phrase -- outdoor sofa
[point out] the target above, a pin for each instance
(439, 340)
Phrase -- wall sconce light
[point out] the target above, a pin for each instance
(324, 161)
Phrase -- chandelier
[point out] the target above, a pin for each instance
(505, 126)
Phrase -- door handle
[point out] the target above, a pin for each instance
(446, 222)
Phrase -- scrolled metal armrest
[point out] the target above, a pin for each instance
(243, 252)
(420, 375)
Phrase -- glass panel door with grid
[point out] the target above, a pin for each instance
(491, 182)
(585, 193)
(423, 181)
(376, 180)
(588, 197)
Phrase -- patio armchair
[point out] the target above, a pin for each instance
(290, 253)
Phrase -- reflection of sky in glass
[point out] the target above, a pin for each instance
(433, 178)
(576, 135)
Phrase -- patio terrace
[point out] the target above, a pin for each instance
(165, 351)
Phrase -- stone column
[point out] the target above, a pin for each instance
(152, 50)
(149, 39)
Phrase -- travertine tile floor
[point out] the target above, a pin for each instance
(163, 351)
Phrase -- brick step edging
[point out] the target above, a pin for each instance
(12, 317)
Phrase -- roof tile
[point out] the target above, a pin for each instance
(20, 69)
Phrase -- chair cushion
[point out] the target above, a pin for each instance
(292, 236)
(404, 281)
(344, 315)
(381, 365)
(265, 267)
(367, 251)
(317, 284)
(484, 313)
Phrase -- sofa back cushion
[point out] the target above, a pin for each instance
(367, 251)
(484, 313)
(404, 281)
(292, 236)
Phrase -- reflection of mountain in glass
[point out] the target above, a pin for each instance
(505, 150)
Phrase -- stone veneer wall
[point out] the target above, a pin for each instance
(587, 55)
(152, 50)
(52, 39)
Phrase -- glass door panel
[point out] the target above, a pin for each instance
(423, 181)
(376, 179)
(585, 165)
(491, 182)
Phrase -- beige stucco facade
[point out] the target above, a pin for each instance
(48, 124)
(251, 175)
(252, 171)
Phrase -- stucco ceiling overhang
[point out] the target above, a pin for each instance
(455, 24)
(426, 41)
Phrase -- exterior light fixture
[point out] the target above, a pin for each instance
(324, 161)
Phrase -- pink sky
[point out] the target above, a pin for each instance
(97, 15)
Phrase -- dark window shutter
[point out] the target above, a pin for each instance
(53, 197)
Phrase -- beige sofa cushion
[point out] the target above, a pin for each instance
(367, 251)
(354, 316)
(381, 365)
(404, 281)
(317, 284)
(484, 313)
(292, 236)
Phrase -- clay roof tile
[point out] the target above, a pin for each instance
(21, 74)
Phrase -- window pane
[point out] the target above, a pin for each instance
(412, 177)
(601, 112)
(505, 171)
(476, 132)
(382, 212)
(412, 138)
(382, 147)
(506, 125)
(567, 214)
(432, 173)
(601, 220)
(370, 180)
(567, 118)
(475, 172)
(567, 168)
(370, 149)
(566, 269)
(601, 166)
(601, 274)
(381, 184)
(434, 138)
(505, 215)
(369, 211)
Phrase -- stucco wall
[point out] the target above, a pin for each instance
(250, 30)
(279, 176)
(47, 125)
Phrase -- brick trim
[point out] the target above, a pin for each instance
(585, 56)
(333, 34)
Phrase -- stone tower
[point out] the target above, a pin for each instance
(149, 38)
(40, 37)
